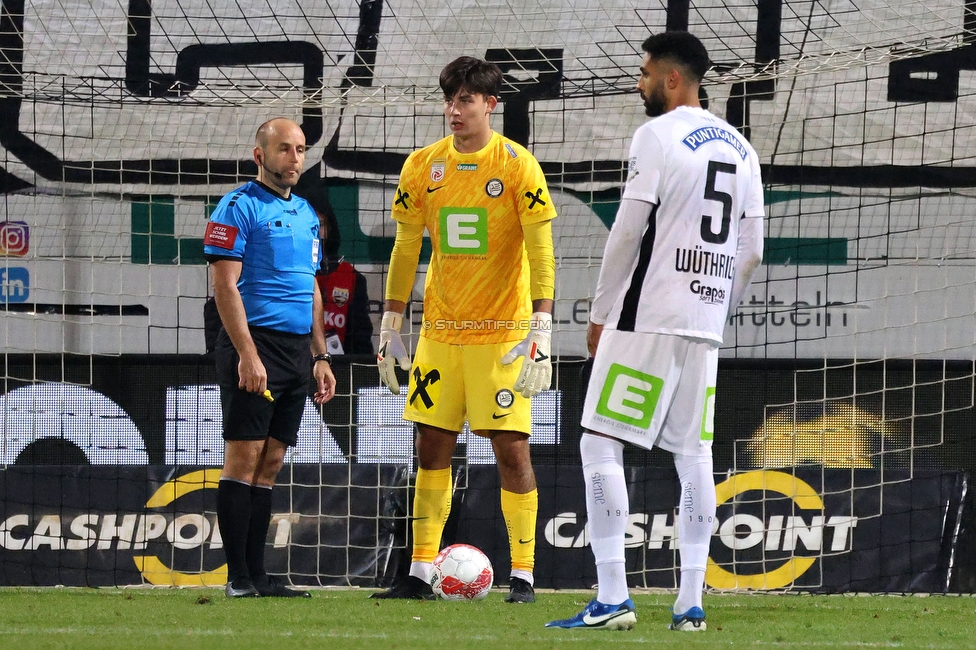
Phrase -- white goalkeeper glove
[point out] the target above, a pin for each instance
(536, 372)
(391, 348)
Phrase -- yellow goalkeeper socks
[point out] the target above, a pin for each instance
(431, 506)
(520, 511)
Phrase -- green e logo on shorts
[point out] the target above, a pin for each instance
(629, 396)
(464, 231)
(708, 415)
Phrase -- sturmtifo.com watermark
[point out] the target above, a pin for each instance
(478, 325)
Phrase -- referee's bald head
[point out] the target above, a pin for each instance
(272, 126)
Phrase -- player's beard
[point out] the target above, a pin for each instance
(655, 103)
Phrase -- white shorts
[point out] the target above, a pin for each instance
(654, 390)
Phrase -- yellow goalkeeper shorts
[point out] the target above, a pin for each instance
(453, 383)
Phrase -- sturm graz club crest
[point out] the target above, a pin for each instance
(494, 188)
(504, 398)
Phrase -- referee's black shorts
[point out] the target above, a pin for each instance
(250, 416)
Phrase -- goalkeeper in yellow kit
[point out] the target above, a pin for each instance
(487, 301)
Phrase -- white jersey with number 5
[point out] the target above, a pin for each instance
(700, 177)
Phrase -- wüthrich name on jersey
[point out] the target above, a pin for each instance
(705, 263)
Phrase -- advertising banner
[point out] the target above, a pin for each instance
(800, 529)
(127, 525)
(805, 529)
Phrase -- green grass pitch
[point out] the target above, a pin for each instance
(336, 618)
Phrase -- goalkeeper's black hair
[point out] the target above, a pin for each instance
(682, 48)
(473, 75)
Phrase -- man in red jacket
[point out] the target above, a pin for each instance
(348, 328)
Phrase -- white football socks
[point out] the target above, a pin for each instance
(696, 517)
(607, 511)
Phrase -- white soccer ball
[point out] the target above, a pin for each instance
(461, 572)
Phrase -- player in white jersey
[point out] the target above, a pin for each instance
(682, 251)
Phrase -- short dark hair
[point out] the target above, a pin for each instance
(471, 74)
(683, 48)
(318, 198)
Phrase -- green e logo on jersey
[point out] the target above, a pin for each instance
(629, 396)
(464, 231)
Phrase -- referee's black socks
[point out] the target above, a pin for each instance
(234, 520)
(257, 533)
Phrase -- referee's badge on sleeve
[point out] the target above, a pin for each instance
(220, 235)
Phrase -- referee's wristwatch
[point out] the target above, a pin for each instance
(322, 357)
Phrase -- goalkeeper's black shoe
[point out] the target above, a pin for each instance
(519, 591)
(411, 588)
(273, 587)
(241, 588)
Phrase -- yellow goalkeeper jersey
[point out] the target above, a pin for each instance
(474, 205)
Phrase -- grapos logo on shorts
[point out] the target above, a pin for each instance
(464, 231)
(629, 396)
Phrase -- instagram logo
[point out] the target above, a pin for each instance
(14, 238)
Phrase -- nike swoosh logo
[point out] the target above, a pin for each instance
(525, 541)
(434, 189)
(495, 416)
(596, 620)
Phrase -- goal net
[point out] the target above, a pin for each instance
(846, 372)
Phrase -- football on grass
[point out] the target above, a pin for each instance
(461, 572)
